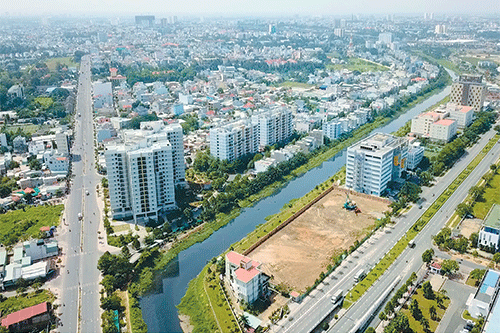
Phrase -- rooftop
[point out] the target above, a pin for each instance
(492, 220)
(21, 315)
(246, 275)
(444, 122)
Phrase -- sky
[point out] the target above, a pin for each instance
(243, 7)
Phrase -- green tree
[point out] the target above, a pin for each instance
(425, 324)
(415, 310)
(125, 252)
(427, 256)
(109, 284)
(496, 258)
(463, 209)
(476, 192)
(108, 322)
(112, 302)
(410, 191)
(473, 239)
(433, 312)
(449, 266)
(370, 330)
(136, 244)
(427, 290)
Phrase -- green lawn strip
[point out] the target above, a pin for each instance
(481, 208)
(31, 129)
(293, 84)
(16, 303)
(195, 304)
(472, 282)
(424, 304)
(391, 256)
(220, 306)
(23, 224)
(490, 196)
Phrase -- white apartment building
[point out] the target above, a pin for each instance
(245, 277)
(175, 136)
(143, 169)
(374, 161)
(275, 125)
(235, 140)
(469, 90)
(332, 129)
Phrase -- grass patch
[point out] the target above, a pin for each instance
(358, 64)
(66, 61)
(16, 303)
(466, 315)
(121, 227)
(292, 84)
(44, 102)
(424, 304)
(472, 282)
(195, 304)
(491, 196)
(24, 224)
(397, 249)
(31, 129)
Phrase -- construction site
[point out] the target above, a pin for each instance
(299, 252)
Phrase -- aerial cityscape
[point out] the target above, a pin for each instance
(250, 167)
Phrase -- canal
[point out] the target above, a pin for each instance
(158, 308)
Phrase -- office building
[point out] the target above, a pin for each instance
(339, 32)
(375, 161)
(480, 303)
(489, 235)
(415, 155)
(275, 125)
(145, 20)
(234, 140)
(462, 114)
(246, 278)
(143, 168)
(434, 125)
(469, 90)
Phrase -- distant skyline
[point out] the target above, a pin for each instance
(241, 8)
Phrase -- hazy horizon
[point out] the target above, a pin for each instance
(245, 8)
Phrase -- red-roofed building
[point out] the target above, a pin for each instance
(435, 268)
(245, 277)
(27, 320)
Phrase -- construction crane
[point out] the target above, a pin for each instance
(349, 204)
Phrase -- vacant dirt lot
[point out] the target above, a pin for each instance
(469, 226)
(299, 252)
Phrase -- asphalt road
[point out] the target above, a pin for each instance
(80, 292)
(317, 306)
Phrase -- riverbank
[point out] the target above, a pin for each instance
(223, 219)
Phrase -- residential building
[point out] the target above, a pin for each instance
(469, 90)
(19, 144)
(374, 161)
(232, 141)
(102, 94)
(62, 143)
(275, 125)
(489, 235)
(332, 129)
(143, 169)
(246, 278)
(16, 90)
(57, 163)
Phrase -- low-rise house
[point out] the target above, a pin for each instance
(480, 303)
(246, 277)
(29, 319)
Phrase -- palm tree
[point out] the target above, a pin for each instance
(243, 319)
(432, 312)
